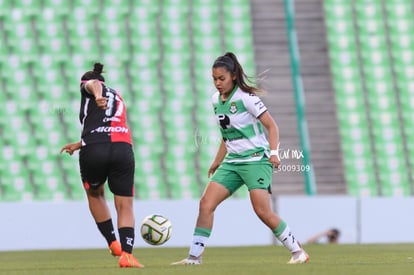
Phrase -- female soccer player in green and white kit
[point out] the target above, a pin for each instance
(244, 156)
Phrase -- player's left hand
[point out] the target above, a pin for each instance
(71, 147)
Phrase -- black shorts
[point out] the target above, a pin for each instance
(114, 162)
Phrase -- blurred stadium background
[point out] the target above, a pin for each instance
(356, 61)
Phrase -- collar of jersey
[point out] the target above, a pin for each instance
(230, 96)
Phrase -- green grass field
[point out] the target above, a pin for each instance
(394, 259)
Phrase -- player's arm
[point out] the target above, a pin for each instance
(256, 108)
(94, 87)
(221, 154)
(273, 136)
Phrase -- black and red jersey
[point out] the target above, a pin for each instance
(100, 126)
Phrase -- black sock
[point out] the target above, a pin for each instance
(126, 235)
(107, 230)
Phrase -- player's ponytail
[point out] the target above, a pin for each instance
(96, 73)
(98, 68)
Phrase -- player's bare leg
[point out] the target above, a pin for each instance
(97, 204)
(125, 210)
(260, 199)
(214, 194)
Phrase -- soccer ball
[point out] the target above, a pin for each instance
(156, 229)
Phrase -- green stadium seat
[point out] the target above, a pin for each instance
(60, 7)
(175, 60)
(381, 99)
(237, 9)
(17, 80)
(149, 181)
(17, 134)
(51, 33)
(111, 34)
(80, 26)
(348, 84)
(177, 27)
(150, 187)
(204, 11)
(15, 182)
(120, 6)
(30, 8)
(5, 52)
(142, 25)
(208, 45)
(180, 178)
(73, 181)
(49, 188)
(146, 45)
(400, 24)
(47, 180)
(16, 189)
(20, 37)
(5, 7)
(93, 9)
(238, 30)
(151, 139)
(176, 44)
(50, 81)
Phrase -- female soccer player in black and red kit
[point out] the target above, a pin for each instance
(106, 154)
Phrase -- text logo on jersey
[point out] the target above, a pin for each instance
(110, 129)
(233, 108)
(259, 104)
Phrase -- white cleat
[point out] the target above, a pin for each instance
(188, 261)
(299, 258)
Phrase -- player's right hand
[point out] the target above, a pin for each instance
(213, 168)
(101, 102)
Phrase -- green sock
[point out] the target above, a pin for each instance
(199, 231)
(283, 234)
(279, 229)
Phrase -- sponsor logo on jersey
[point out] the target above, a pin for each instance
(110, 129)
(106, 119)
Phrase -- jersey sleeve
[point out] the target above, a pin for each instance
(254, 105)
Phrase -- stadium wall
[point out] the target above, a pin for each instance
(69, 225)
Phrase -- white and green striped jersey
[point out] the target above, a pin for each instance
(240, 127)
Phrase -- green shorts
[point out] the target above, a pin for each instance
(255, 175)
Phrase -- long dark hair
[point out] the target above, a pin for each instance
(96, 73)
(230, 62)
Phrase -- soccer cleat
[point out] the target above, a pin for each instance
(128, 260)
(115, 248)
(188, 261)
(299, 258)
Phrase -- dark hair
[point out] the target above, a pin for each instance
(230, 62)
(96, 73)
(334, 234)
